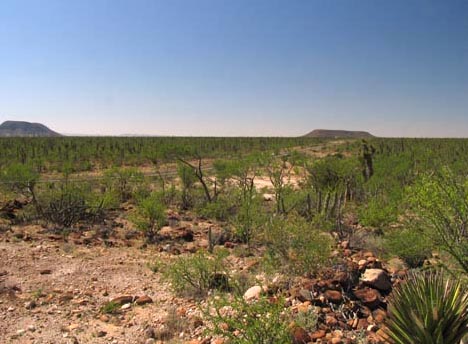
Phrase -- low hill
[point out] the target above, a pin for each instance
(348, 134)
(25, 129)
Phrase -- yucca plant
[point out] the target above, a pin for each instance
(429, 308)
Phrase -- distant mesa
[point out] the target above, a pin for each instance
(25, 129)
(344, 134)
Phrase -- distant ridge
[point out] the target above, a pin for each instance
(348, 134)
(25, 129)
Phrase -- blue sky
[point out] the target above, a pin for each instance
(237, 67)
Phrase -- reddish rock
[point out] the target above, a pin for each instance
(142, 300)
(330, 320)
(379, 315)
(369, 297)
(334, 296)
(300, 336)
(122, 300)
(318, 334)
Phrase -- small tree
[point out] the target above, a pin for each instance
(187, 180)
(21, 179)
(440, 206)
(150, 216)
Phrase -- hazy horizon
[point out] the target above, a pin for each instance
(240, 68)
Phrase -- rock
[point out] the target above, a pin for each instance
(142, 300)
(318, 334)
(186, 235)
(300, 336)
(30, 304)
(149, 332)
(126, 306)
(377, 278)
(101, 334)
(253, 293)
(73, 340)
(330, 320)
(31, 328)
(122, 300)
(379, 315)
(104, 318)
(369, 297)
(304, 295)
(20, 332)
(45, 272)
(334, 296)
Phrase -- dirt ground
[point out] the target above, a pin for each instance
(52, 292)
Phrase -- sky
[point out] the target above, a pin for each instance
(236, 67)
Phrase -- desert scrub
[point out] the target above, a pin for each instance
(429, 308)
(67, 204)
(264, 321)
(410, 245)
(295, 245)
(197, 274)
(440, 205)
(150, 215)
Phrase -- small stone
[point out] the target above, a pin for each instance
(318, 334)
(300, 336)
(369, 297)
(20, 332)
(101, 334)
(45, 272)
(31, 328)
(122, 300)
(126, 306)
(305, 295)
(334, 296)
(30, 304)
(104, 318)
(253, 293)
(73, 340)
(142, 300)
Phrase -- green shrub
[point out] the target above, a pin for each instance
(125, 182)
(376, 214)
(197, 274)
(410, 245)
(150, 215)
(428, 309)
(220, 209)
(248, 220)
(242, 322)
(295, 245)
(440, 203)
(66, 205)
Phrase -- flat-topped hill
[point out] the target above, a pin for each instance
(326, 133)
(26, 129)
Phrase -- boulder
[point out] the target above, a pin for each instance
(377, 278)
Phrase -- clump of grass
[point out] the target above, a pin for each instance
(197, 274)
(110, 308)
